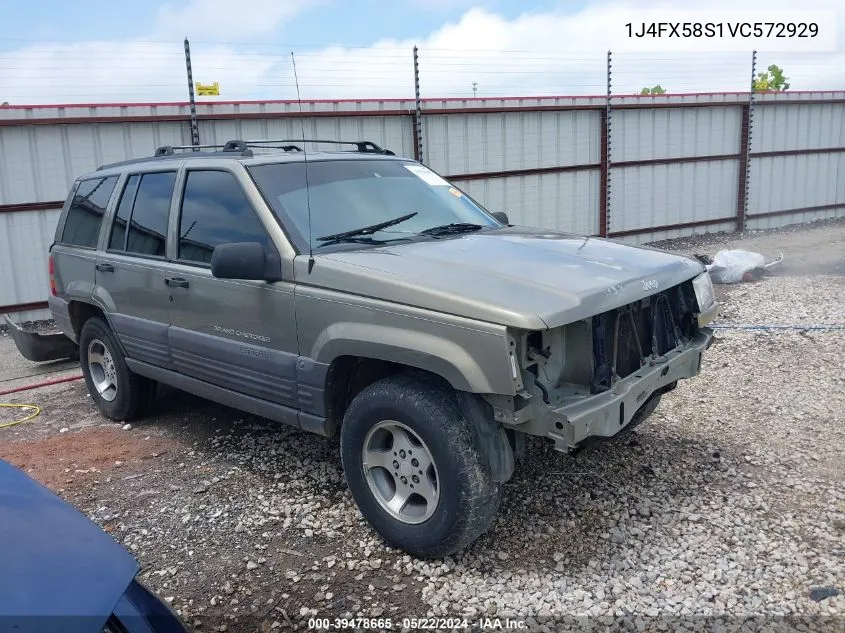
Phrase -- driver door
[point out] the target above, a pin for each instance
(237, 334)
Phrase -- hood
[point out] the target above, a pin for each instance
(519, 277)
(60, 571)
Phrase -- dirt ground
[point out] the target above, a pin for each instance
(244, 525)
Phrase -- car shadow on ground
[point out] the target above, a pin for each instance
(558, 511)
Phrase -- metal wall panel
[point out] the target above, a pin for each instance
(472, 143)
(25, 239)
(798, 126)
(777, 183)
(511, 102)
(31, 315)
(392, 132)
(656, 236)
(659, 195)
(644, 134)
(38, 163)
(182, 109)
(462, 136)
(293, 107)
(777, 221)
(566, 201)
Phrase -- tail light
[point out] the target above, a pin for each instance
(51, 269)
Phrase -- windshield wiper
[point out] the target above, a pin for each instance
(365, 230)
(453, 228)
(360, 239)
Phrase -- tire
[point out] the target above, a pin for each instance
(642, 414)
(102, 361)
(466, 498)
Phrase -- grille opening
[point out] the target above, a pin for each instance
(631, 336)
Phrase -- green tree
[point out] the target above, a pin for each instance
(657, 90)
(5, 103)
(773, 80)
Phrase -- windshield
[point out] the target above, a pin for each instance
(348, 195)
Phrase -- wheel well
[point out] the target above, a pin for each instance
(349, 375)
(80, 312)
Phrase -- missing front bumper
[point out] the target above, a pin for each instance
(607, 413)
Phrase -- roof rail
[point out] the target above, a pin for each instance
(265, 145)
(367, 147)
(170, 150)
(243, 147)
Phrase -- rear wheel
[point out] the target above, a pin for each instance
(117, 392)
(414, 467)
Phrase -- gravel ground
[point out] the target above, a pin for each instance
(726, 509)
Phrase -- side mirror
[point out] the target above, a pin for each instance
(501, 216)
(245, 260)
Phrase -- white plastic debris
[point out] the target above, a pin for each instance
(734, 266)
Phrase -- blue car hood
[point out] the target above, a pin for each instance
(58, 570)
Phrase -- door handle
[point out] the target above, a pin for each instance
(176, 282)
(105, 268)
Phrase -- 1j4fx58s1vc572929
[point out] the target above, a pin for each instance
(735, 30)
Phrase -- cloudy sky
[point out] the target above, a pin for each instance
(93, 51)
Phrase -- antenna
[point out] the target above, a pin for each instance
(305, 161)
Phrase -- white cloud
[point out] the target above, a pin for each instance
(434, 6)
(540, 53)
(227, 19)
(97, 72)
(553, 53)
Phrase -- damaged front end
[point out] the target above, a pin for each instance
(594, 377)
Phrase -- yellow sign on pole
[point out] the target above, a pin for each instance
(208, 90)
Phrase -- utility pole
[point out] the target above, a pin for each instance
(474, 88)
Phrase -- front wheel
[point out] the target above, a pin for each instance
(642, 414)
(414, 467)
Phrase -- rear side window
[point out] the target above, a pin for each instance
(117, 241)
(140, 224)
(85, 214)
(215, 211)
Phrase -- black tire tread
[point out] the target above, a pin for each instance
(437, 402)
(643, 414)
(135, 393)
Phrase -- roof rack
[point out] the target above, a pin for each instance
(243, 147)
(366, 147)
(170, 150)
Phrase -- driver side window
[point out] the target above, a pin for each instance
(215, 210)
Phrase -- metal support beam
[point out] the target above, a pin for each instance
(418, 150)
(743, 188)
(603, 178)
(606, 132)
(195, 131)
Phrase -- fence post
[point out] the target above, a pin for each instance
(604, 173)
(195, 132)
(418, 144)
(743, 187)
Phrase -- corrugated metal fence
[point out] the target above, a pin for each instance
(644, 169)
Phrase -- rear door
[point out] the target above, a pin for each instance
(131, 270)
(237, 334)
(74, 253)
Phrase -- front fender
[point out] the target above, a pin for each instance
(478, 365)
